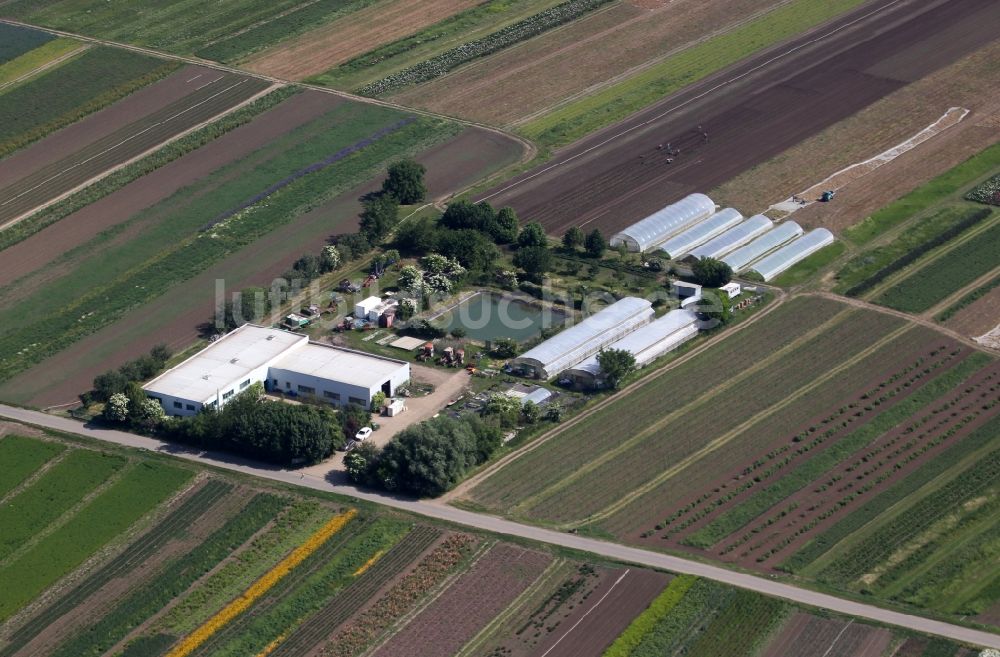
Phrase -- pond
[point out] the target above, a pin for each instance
(488, 316)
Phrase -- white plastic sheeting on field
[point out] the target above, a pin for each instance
(681, 243)
(569, 347)
(659, 226)
(734, 237)
(741, 258)
(772, 265)
(646, 343)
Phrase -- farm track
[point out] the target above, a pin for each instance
(493, 524)
(753, 112)
(136, 554)
(52, 63)
(311, 633)
(128, 142)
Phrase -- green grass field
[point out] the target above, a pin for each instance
(140, 489)
(934, 282)
(23, 65)
(166, 244)
(474, 23)
(69, 92)
(56, 491)
(807, 268)
(614, 103)
(21, 457)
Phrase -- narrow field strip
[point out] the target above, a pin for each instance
(175, 578)
(582, 442)
(262, 586)
(34, 62)
(135, 555)
(129, 141)
(142, 488)
(58, 491)
(21, 458)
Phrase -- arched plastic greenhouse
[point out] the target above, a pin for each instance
(734, 237)
(577, 343)
(772, 265)
(681, 243)
(741, 258)
(659, 226)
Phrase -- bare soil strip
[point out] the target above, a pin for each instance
(329, 45)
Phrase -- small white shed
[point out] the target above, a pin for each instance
(732, 289)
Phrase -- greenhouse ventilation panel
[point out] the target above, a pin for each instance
(659, 226)
(741, 258)
(734, 237)
(718, 223)
(772, 265)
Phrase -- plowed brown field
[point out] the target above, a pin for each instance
(752, 112)
(323, 48)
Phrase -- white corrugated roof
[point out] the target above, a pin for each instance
(225, 362)
(337, 364)
(647, 337)
(734, 237)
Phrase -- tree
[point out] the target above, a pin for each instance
(438, 283)
(713, 307)
(615, 364)
(379, 216)
(147, 415)
(710, 272)
(471, 248)
(410, 278)
(464, 214)
(353, 245)
(378, 401)
(595, 244)
(532, 235)
(507, 278)
(360, 463)
(405, 182)
(502, 408)
(573, 238)
(116, 408)
(504, 348)
(417, 236)
(329, 258)
(352, 417)
(109, 384)
(503, 227)
(534, 260)
(530, 412)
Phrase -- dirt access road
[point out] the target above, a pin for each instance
(335, 483)
(751, 113)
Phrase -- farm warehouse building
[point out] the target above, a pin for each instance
(663, 224)
(646, 343)
(579, 342)
(281, 361)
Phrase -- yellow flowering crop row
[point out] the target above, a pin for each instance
(368, 564)
(271, 646)
(261, 586)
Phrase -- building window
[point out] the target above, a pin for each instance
(306, 390)
(245, 384)
(275, 384)
(191, 407)
(288, 384)
(212, 404)
(177, 404)
(227, 395)
(331, 395)
(359, 402)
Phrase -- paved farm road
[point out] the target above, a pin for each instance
(500, 526)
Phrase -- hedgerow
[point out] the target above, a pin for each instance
(489, 44)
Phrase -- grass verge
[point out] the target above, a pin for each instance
(804, 270)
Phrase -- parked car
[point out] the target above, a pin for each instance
(363, 433)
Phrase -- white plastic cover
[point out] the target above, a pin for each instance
(681, 243)
(772, 265)
(741, 258)
(659, 226)
(649, 342)
(734, 237)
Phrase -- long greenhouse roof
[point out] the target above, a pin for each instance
(660, 225)
(701, 232)
(772, 265)
(646, 337)
(743, 256)
(733, 238)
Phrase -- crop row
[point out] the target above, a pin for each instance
(937, 280)
(807, 471)
(180, 259)
(131, 172)
(646, 623)
(173, 580)
(16, 40)
(98, 77)
(674, 632)
(21, 457)
(741, 627)
(778, 459)
(886, 467)
(986, 192)
(877, 547)
(503, 38)
(432, 570)
(346, 603)
(265, 627)
(686, 435)
(135, 555)
(126, 142)
(968, 300)
(54, 493)
(586, 440)
(915, 247)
